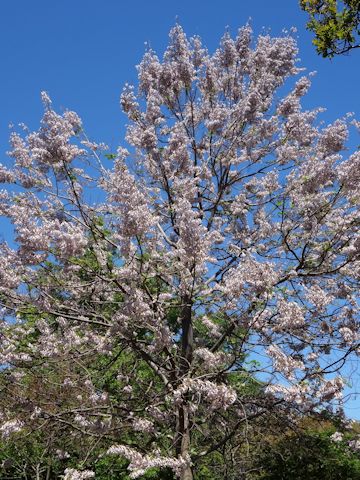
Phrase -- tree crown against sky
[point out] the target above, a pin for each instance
(336, 25)
(221, 247)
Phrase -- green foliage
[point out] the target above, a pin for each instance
(336, 29)
(30, 458)
(110, 156)
(309, 455)
(114, 468)
(27, 458)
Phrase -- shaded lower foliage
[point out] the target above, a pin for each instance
(310, 455)
(270, 451)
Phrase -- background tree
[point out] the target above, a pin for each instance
(223, 250)
(336, 28)
(315, 447)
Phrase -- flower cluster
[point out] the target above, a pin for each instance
(139, 464)
(217, 395)
(72, 474)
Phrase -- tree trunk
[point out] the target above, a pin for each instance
(185, 444)
(187, 474)
(183, 438)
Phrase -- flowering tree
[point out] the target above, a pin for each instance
(222, 244)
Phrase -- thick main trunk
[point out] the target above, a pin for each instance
(185, 442)
(187, 337)
(187, 474)
(183, 438)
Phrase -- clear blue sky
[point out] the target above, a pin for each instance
(83, 51)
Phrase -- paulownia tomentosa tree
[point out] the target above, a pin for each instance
(227, 232)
